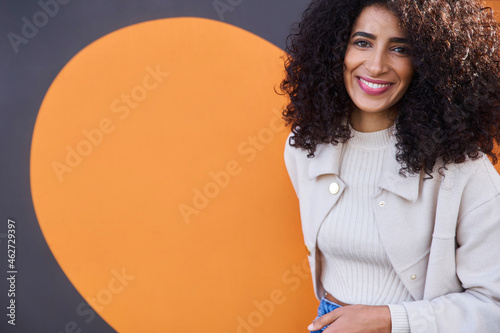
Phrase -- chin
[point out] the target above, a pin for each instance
(370, 108)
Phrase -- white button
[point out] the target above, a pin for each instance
(334, 188)
(381, 203)
(413, 277)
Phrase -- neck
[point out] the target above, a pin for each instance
(371, 121)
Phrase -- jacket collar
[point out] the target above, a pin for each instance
(327, 159)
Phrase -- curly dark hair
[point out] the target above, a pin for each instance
(451, 110)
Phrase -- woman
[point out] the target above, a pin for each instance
(394, 110)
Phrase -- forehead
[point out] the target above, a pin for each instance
(377, 18)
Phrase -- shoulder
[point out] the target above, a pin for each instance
(476, 171)
(294, 157)
(325, 159)
(303, 169)
(323, 151)
(476, 179)
(291, 151)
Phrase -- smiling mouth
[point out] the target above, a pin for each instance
(373, 88)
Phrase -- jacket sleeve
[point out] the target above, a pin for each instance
(477, 259)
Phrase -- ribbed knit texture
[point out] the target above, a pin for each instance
(356, 269)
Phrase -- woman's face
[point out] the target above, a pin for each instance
(378, 68)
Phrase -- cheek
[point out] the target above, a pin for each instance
(406, 74)
(348, 61)
(349, 65)
(346, 75)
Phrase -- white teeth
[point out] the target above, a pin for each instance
(374, 85)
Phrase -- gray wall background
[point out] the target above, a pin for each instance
(45, 299)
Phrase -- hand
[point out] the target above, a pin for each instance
(355, 319)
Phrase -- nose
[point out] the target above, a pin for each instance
(377, 63)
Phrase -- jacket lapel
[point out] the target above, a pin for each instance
(390, 180)
(326, 161)
(323, 171)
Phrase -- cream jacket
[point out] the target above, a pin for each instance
(442, 235)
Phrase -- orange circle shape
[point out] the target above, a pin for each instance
(158, 181)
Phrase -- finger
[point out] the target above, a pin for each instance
(324, 320)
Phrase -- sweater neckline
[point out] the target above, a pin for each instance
(371, 140)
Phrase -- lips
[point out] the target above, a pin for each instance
(373, 87)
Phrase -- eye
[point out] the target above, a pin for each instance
(361, 43)
(402, 50)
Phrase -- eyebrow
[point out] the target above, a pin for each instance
(371, 36)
